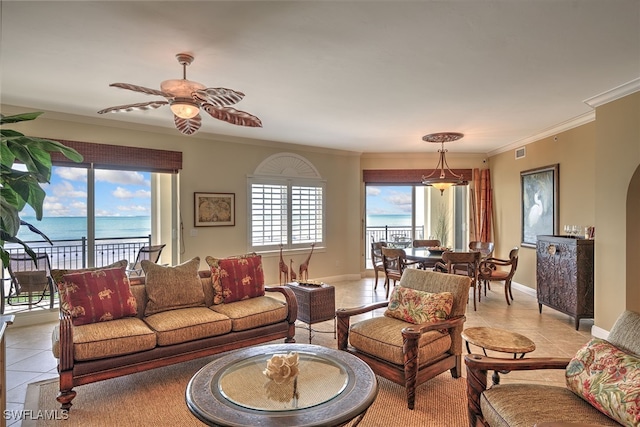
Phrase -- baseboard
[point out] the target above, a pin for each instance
(35, 317)
(598, 332)
(525, 289)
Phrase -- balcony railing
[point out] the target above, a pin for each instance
(397, 234)
(73, 254)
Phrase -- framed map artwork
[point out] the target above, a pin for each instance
(215, 209)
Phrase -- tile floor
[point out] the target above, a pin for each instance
(29, 356)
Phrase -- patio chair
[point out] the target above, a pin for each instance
(150, 253)
(30, 281)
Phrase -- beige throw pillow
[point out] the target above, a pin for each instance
(174, 287)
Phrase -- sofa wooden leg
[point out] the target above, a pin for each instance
(65, 397)
(456, 371)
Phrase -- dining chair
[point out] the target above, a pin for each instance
(428, 243)
(150, 253)
(376, 259)
(500, 270)
(394, 261)
(462, 263)
(486, 250)
(418, 243)
(28, 278)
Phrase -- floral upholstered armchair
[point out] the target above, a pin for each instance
(602, 385)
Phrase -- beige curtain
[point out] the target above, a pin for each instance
(481, 207)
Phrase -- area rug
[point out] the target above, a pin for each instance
(157, 398)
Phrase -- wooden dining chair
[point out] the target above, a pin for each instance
(486, 250)
(394, 261)
(500, 270)
(376, 259)
(462, 263)
(420, 243)
(428, 243)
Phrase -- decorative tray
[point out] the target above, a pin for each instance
(437, 250)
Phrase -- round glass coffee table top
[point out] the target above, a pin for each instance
(331, 388)
(320, 379)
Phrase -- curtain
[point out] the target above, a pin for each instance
(481, 207)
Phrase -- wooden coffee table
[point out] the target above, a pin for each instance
(499, 340)
(332, 388)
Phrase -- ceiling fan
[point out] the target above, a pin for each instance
(186, 98)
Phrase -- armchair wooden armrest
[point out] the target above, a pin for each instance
(478, 366)
(414, 332)
(343, 318)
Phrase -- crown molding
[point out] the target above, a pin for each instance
(593, 102)
(613, 94)
(562, 127)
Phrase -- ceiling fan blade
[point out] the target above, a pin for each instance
(142, 106)
(141, 89)
(218, 96)
(188, 126)
(233, 116)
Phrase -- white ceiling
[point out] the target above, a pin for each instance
(366, 76)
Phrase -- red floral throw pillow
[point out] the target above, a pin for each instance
(236, 278)
(98, 296)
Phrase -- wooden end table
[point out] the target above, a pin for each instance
(332, 388)
(500, 340)
(316, 303)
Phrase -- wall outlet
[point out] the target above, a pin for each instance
(193, 232)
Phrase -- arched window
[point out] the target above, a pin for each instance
(286, 202)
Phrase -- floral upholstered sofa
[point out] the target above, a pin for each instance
(602, 385)
(111, 327)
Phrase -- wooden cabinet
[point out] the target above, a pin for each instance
(564, 275)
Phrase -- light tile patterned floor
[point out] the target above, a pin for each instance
(29, 356)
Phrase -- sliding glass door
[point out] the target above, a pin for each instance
(399, 214)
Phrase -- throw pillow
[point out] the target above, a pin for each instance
(174, 287)
(607, 378)
(98, 296)
(236, 278)
(416, 306)
(58, 278)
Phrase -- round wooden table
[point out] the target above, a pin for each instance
(499, 340)
(332, 388)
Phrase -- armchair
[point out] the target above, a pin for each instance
(406, 353)
(522, 403)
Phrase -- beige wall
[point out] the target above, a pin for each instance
(574, 151)
(221, 166)
(618, 156)
(597, 161)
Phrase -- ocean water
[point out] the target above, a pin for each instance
(74, 228)
(390, 220)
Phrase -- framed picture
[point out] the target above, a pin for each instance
(215, 209)
(539, 190)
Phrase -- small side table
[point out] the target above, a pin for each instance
(316, 303)
(499, 340)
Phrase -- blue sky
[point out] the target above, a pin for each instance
(388, 200)
(118, 193)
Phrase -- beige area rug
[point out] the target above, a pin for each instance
(157, 398)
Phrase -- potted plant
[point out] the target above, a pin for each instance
(19, 188)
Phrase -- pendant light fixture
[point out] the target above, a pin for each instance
(442, 177)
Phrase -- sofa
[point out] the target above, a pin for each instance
(602, 385)
(112, 326)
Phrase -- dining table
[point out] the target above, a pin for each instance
(423, 256)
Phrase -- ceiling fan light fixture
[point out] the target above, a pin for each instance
(185, 108)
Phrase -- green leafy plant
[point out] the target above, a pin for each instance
(441, 226)
(18, 187)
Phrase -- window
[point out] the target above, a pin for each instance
(285, 208)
